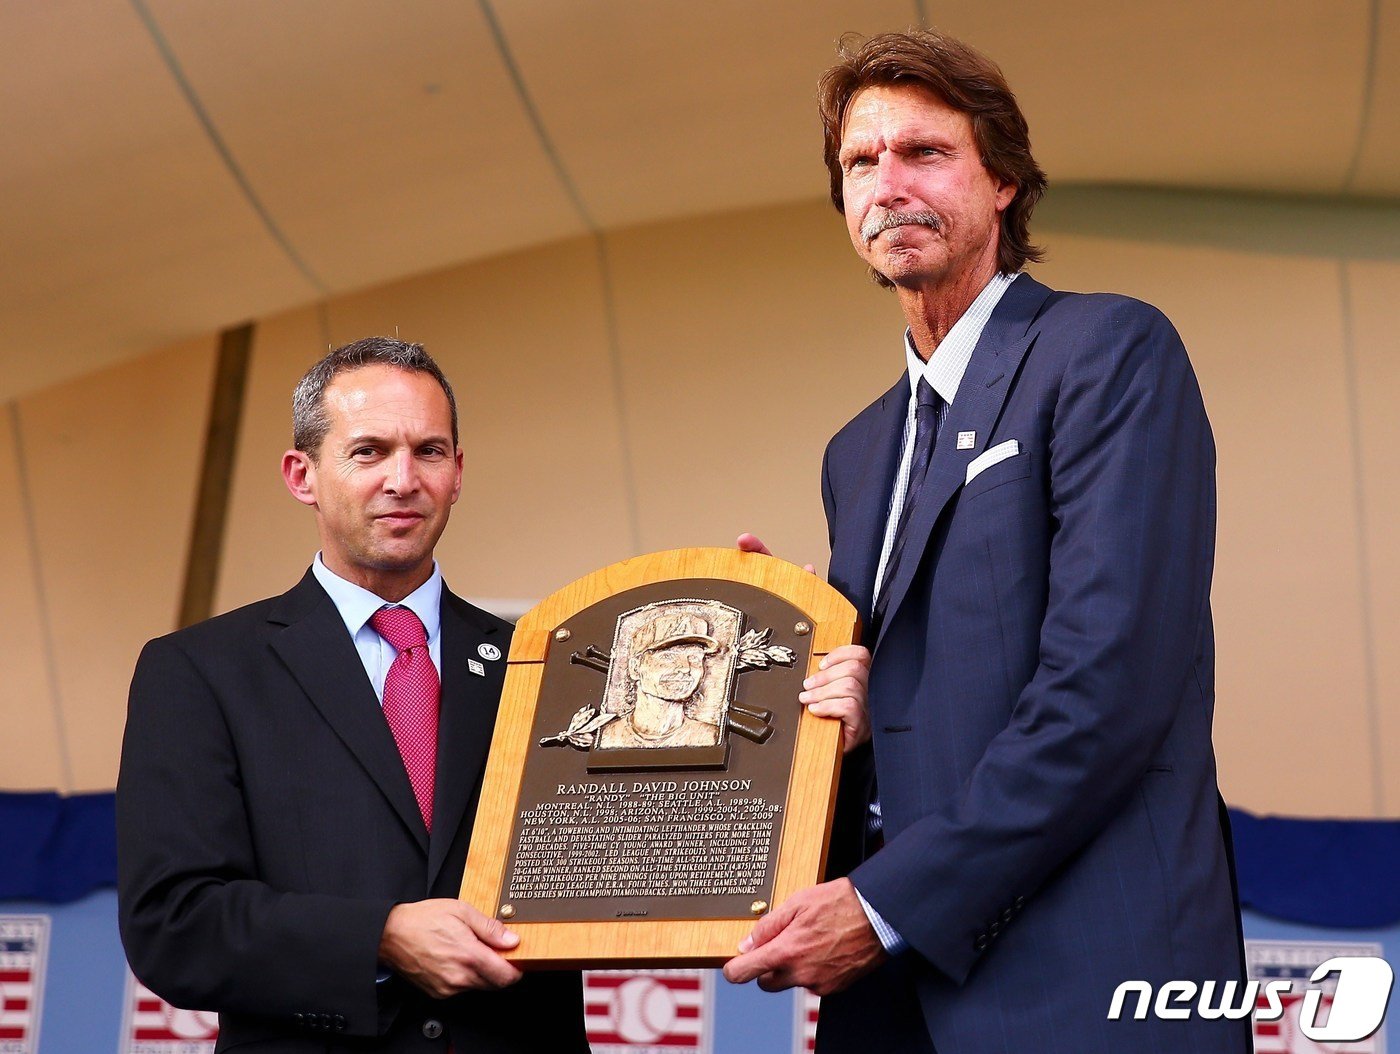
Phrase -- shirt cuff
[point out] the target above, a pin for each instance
(890, 940)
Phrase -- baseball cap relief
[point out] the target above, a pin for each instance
(675, 628)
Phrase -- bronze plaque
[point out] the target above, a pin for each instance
(666, 799)
(654, 786)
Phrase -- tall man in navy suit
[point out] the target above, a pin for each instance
(299, 776)
(1026, 521)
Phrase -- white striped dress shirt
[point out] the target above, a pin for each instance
(944, 370)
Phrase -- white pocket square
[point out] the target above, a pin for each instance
(992, 456)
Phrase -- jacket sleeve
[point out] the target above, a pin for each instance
(1131, 479)
(198, 926)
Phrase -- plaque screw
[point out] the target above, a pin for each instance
(802, 629)
(507, 911)
(561, 635)
(758, 907)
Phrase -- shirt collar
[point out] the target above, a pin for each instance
(948, 363)
(356, 604)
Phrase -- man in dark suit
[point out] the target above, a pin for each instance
(299, 776)
(1026, 519)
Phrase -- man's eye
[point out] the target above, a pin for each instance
(363, 451)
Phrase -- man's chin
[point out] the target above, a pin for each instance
(907, 271)
(396, 561)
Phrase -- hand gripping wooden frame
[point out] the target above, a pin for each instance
(826, 620)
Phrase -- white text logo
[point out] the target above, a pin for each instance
(1358, 1002)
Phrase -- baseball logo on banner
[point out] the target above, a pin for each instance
(24, 949)
(150, 1025)
(804, 1021)
(649, 1011)
(1295, 961)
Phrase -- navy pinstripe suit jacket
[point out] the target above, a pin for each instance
(1041, 695)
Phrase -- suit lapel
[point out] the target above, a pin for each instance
(976, 408)
(465, 721)
(310, 638)
(856, 554)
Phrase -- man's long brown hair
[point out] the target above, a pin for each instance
(966, 80)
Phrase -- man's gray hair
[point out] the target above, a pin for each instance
(310, 422)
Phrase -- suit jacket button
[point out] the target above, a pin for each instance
(339, 1023)
(980, 944)
(432, 1028)
(994, 929)
(1007, 915)
(1020, 903)
(300, 1019)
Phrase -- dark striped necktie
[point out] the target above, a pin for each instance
(926, 421)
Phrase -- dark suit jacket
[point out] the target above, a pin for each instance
(1041, 693)
(266, 826)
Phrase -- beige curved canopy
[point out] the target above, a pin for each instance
(174, 166)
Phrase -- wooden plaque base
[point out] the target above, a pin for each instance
(672, 930)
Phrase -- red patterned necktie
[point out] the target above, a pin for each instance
(411, 693)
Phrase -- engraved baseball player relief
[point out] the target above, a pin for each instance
(670, 680)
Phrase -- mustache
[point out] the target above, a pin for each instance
(882, 220)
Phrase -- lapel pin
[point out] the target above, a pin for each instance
(967, 440)
(476, 667)
(489, 652)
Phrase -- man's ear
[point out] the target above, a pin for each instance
(1006, 194)
(457, 490)
(299, 473)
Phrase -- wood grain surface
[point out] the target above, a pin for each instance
(811, 797)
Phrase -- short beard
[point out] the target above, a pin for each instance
(878, 222)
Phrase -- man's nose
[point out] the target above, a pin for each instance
(891, 183)
(402, 477)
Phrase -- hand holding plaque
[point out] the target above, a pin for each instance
(653, 786)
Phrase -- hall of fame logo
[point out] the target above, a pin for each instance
(1295, 961)
(24, 949)
(649, 1011)
(804, 1021)
(150, 1025)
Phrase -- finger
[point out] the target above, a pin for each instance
(839, 685)
(810, 568)
(835, 684)
(841, 708)
(494, 971)
(847, 653)
(855, 729)
(491, 932)
(841, 692)
(737, 970)
(776, 981)
(744, 968)
(768, 927)
(835, 709)
(750, 543)
(828, 671)
(854, 737)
